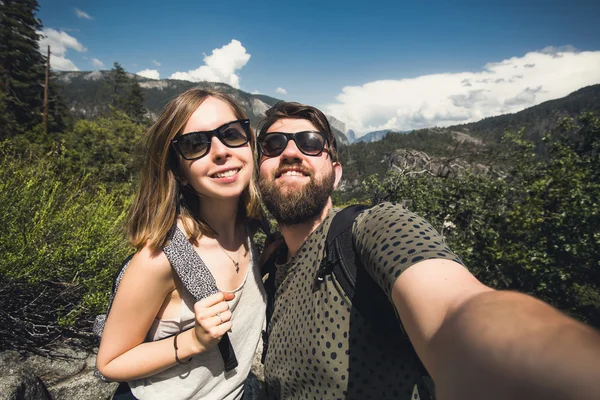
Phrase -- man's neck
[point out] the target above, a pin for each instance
(295, 235)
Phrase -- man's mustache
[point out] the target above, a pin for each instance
(286, 166)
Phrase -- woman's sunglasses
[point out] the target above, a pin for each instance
(194, 145)
(310, 143)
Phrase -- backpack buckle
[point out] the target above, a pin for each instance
(325, 268)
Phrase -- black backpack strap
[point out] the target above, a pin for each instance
(269, 269)
(342, 261)
(363, 292)
(366, 295)
(197, 279)
(340, 250)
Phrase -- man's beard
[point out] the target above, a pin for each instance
(297, 206)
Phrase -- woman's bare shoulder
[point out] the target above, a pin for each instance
(151, 263)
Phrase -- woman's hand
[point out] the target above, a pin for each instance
(213, 319)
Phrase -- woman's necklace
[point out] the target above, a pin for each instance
(235, 263)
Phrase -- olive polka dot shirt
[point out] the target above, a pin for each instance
(322, 348)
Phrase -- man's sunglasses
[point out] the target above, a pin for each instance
(310, 143)
(194, 145)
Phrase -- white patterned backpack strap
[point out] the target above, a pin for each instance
(197, 279)
(190, 268)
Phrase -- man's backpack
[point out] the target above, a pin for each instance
(342, 261)
(194, 275)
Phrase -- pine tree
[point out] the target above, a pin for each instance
(59, 116)
(21, 66)
(126, 93)
(119, 84)
(135, 102)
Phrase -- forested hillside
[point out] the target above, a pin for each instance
(538, 120)
(477, 144)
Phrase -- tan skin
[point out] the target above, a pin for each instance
(151, 289)
(477, 343)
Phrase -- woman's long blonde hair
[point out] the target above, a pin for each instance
(161, 196)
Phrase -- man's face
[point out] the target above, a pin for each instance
(296, 187)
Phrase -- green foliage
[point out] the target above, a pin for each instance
(109, 149)
(535, 231)
(58, 231)
(552, 232)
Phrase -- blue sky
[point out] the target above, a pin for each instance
(341, 56)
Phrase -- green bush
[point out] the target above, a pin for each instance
(58, 231)
(108, 148)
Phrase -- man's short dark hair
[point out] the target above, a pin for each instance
(295, 110)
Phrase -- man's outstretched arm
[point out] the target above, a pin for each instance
(479, 343)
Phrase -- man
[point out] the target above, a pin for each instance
(477, 343)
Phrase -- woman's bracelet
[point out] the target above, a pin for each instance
(176, 356)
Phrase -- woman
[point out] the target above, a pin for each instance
(198, 178)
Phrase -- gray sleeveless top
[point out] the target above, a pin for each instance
(204, 377)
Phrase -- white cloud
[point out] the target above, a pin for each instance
(59, 43)
(280, 90)
(97, 63)
(156, 63)
(149, 73)
(256, 92)
(220, 66)
(82, 14)
(453, 98)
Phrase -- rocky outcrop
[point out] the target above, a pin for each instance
(351, 135)
(19, 382)
(412, 162)
(336, 124)
(67, 373)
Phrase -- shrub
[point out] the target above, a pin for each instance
(60, 237)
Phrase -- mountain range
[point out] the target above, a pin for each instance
(88, 94)
(371, 136)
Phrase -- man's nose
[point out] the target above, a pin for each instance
(291, 152)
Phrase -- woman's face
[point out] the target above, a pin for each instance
(224, 172)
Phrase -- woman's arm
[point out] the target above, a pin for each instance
(123, 354)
